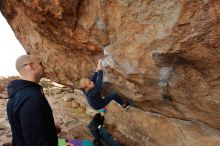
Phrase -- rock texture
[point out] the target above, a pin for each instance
(164, 54)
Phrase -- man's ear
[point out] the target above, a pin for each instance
(31, 65)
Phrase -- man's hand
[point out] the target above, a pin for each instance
(99, 66)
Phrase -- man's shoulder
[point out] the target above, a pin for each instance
(30, 93)
(89, 91)
(30, 90)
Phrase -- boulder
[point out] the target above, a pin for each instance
(163, 54)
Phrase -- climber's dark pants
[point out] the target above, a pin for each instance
(107, 138)
(103, 102)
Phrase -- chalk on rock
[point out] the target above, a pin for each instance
(67, 98)
(75, 104)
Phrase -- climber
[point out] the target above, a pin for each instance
(98, 130)
(92, 90)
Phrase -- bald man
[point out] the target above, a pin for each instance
(29, 113)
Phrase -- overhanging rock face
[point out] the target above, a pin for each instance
(164, 54)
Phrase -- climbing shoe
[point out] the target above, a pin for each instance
(127, 103)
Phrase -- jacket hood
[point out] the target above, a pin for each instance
(16, 85)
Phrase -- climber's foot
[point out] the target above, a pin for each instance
(128, 103)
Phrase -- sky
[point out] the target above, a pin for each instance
(10, 49)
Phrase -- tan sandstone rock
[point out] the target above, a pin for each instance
(75, 104)
(151, 48)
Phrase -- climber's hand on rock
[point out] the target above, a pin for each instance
(99, 66)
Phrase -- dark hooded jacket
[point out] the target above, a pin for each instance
(94, 96)
(30, 115)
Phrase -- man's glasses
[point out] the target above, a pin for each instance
(40, 63)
